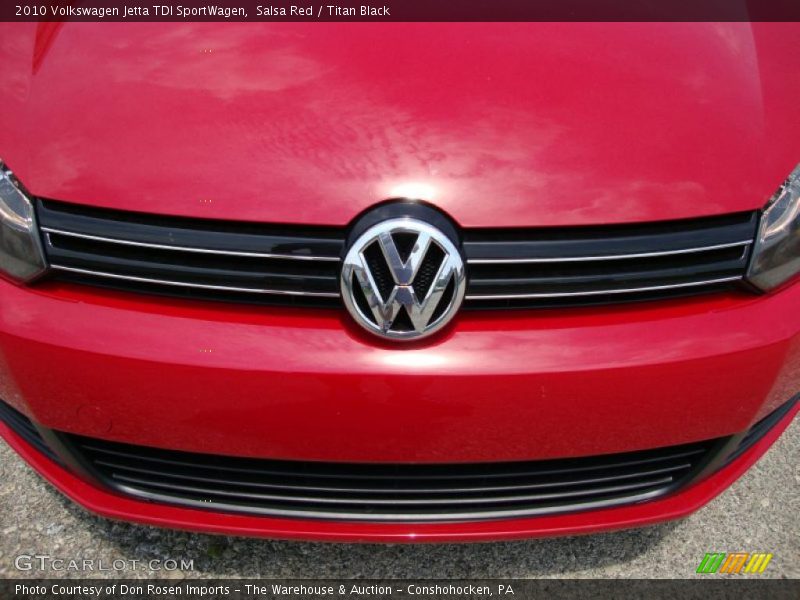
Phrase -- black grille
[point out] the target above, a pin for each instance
(427, 272)
(194, 258)
(379, 269)
(288, 265)
(584, 265)
(23, 427)
(378, 492)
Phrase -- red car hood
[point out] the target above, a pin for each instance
(498, 124)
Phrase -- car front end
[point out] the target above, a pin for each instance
(411, 282)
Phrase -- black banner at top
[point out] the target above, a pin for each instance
(399, 10)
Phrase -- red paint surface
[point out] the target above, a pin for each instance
(502, 124)
(301, 384)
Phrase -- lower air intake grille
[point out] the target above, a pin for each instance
(376, 492)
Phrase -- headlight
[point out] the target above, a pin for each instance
(21, 254)
(776, 256)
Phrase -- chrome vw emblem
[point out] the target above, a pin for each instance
(403, 279)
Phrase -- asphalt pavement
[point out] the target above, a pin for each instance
(759, 513)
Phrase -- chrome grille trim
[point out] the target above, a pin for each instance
(652, 288)
(201, 286)
(98, 238)
(179, 487)
(300, 265)
(509, 261)
(388, 492)
(398, 517)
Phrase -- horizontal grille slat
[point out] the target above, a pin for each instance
(609, 240)
(238, 272)
(542, 282)
(425, 502)
(288, 241)
(389, 492)
(604, 291)
(355, 489)
(711, 261)
(418, 472)
(191, 284)
(567, 258)
(292, 248)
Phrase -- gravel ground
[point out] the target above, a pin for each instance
(759, 513)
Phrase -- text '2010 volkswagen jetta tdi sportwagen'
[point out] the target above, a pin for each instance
(398, 282)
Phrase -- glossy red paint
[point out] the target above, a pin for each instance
(499, 124)
(675, 506)
(301, 384)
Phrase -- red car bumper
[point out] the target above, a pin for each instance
(117, 507)
(291, 385)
